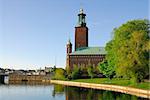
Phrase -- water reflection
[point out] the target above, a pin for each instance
(75, 93)
(28, 83)
(45, 91)
(58, 90)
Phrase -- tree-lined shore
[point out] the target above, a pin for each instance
(126, 63)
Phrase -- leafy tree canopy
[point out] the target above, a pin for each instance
(107, 70)
(128, 51)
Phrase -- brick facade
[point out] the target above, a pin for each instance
(84, 60)
(81, 37)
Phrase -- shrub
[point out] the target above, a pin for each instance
(59, 74)
(75, 72)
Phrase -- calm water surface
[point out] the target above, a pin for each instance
(58, 92)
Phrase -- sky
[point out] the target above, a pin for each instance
(34, 33)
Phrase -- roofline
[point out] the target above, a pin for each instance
(85, 54)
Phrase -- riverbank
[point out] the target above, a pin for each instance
(116, 81)
(116, 88)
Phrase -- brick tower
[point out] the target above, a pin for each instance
(69, 50)
(81, 31)
(69, 47)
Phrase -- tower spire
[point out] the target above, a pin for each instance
(69, 46)
(81, 11)
(69, 41)
(81, 31)
(81, 18)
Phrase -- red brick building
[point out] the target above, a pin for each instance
(83, 55)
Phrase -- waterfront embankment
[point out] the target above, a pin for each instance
(28, 79)
(116, 88)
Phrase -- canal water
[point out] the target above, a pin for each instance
(59, 92)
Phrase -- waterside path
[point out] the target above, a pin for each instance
(116, 88)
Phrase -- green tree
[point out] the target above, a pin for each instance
(68, 72)
(107, 70)
(75, 72)
(128, 51)
(109, 65)
(59, 74)
(90, 71)
(83, 69)
(54, 68)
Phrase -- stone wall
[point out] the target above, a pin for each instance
(17, 77)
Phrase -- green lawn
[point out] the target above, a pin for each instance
(116, 81)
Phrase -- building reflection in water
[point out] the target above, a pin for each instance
(75, 93)
(28, 83)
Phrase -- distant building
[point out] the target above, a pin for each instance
(83, 55)
(2, 70)
(48, 69)
(9, 71)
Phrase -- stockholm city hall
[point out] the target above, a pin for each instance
(83, 54)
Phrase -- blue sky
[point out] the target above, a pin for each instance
(34, 33)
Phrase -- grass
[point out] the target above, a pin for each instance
(116, 81)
